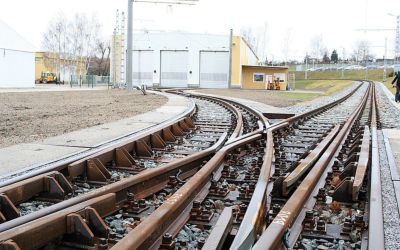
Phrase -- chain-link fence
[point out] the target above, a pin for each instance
(89, 81)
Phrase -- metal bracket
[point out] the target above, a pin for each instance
(96, 172)
(8, 210)
(143, 150)
(84, 225)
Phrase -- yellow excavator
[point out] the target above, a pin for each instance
(46, 77)
(274, 83)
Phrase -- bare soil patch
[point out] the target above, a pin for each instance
(29, 116)
(264, 96)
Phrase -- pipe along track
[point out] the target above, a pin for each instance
(249, 185)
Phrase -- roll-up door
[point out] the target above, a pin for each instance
(142, 73)
(174, 68)
(214, 69)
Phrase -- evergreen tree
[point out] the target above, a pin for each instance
(334, 56)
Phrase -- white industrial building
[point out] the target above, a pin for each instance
(181, 59)
(17, 60)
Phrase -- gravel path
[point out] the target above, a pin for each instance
(391, 218)
(29, 116)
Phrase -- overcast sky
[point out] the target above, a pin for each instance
(337, 21)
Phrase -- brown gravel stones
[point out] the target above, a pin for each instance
(29, 116)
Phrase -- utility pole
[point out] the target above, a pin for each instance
(129, 49)
(343, 65)
(230, 61)
(384, 61)
(396, 53)
(306, 66)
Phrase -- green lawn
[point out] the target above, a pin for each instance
(298, 96)
(373, 74)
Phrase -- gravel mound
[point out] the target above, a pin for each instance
(29, 116)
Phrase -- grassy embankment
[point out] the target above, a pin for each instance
(324, 87)
(330, 82)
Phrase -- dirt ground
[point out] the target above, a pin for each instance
(29, 116)
(263, 96)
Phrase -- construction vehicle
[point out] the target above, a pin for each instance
(274, 83)
(46, 77)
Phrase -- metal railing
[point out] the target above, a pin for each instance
(89, 81)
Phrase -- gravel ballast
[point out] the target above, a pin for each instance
(391, 218)
(29, 116)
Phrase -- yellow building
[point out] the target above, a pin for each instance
(180, 59)
(47, 62)
(247, 74)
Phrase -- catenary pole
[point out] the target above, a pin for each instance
(129, 47)
(230, 61)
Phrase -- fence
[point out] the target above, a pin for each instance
(347, 66)
(89, 81)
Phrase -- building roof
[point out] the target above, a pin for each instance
(11, 40)
(265, 67)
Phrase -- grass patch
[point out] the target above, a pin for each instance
(298, 96)
(327, 86)
(330, 86)
(373, 74)
(388, 85)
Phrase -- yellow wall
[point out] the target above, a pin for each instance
(236, 60)
(248, 77)
(40, 65)
(240, 56)
(118, 60)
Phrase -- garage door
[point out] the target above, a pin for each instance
(174, 69)
(214, 70)
(142, 73)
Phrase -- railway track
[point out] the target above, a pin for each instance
(221, 178)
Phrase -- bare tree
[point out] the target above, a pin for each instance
(287, 43)
(317, 47)
(257, 38)
(362, 51)
(55, 43)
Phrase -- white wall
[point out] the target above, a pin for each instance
(17, 69)
(193, 43)
(17, 59)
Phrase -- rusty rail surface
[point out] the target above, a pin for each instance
(272, 236)
(175, 211)
(254, 221)
(79, 219)
(375, 228)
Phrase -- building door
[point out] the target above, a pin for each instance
(268, 78)
(214, 69)
(142, 73)
(174, 69)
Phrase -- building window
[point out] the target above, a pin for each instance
(258, 77)
(36, 59)
(41, 60)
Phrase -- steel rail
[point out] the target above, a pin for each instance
(144, 180)
(175, 211)
(80, 166)
(254, 221)
(51, 226)
(272, 236)
(376, 231)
